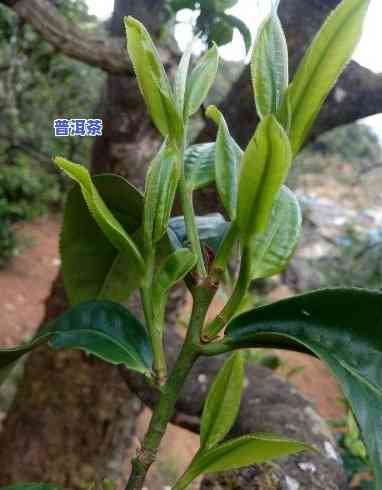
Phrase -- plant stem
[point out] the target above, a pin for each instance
(235, 300)
(155, 330)
(215, 348)
(165, 407)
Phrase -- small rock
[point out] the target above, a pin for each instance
(307, 467)
(292, 484)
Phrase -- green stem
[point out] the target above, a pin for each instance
(165, 407)
(215, 348)
(235, 300)
(155, 330)
(189, 217)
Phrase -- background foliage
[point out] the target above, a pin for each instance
(37, 85)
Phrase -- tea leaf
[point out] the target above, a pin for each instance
(227, 158)
(265, 165)
(269, 66)
(199, 165)
(102, 328)
(241, 27)
(322, 64)
(223, 402)
(220, 32)
(200, 81)
(238, 453)
(343, 328)
(152, 80)
(272, 250)
(181, 78)
(92, 267)
(110, 226)
(225, 4)
(172, 270)
(161, 183)
(107, 330)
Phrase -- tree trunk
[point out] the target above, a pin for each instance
(73, 418)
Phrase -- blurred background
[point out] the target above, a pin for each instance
(66, 59)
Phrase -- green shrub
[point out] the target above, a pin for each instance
(7, 236)
(25, 193)
(27, 190)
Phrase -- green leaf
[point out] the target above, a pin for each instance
(211, 230)
(173, 269)
(238, 453)
(108, 223)
(269, 66)
(223, 402)
(342, 327)
(199, 165)
(227, 158)
(92, 267)
(107, 330)
(152, 80)
(272, 251)
(180, 82)
(284, 116)
(225, 4)
(242, 28)
(221, 32)
(32, 486)
(322, 64)
(10, 356)
(108, 485)
(200, 81)
(265, 165)
(177, 5)
(102, 328)
(161, 183)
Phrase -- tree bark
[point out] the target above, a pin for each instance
(68, 38)
(73, 418)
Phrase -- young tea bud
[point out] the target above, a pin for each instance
(265, 165)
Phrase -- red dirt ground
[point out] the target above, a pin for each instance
(25, 282)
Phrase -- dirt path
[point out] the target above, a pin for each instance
(26, 280)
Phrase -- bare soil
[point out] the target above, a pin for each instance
(26, 280)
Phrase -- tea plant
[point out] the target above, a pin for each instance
(116, 240)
